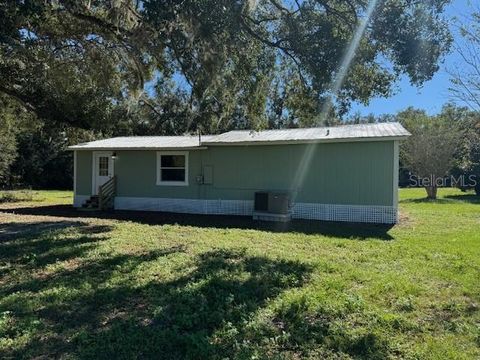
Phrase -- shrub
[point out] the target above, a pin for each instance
(16, 196)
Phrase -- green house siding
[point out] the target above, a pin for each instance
(84, 173)
(137, 176)
(338, 173)
(356, 173)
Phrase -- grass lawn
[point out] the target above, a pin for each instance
(80, 285)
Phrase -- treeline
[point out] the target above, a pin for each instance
(72, 71)
(77, 70)
(33, 154)
(443, 150)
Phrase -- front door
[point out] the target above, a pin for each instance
(103, 170)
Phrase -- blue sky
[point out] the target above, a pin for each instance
(434, 93)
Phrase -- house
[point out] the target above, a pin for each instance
(343, 173)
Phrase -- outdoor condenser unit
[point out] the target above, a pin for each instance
(261, 201)
(272, 202)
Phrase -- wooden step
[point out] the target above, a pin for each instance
(91, 204)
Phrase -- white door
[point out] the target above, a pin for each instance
(103, 169)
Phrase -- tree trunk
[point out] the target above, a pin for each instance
(431, 192)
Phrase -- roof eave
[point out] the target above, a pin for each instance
(123, 148)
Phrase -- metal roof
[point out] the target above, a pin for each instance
(360, 132)
(141, 143)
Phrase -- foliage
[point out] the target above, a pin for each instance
(185, 287)
(7, 149)
(430, 151)
(291, 104)
(42, 160)
(466, 78)
(162, 68)
(60, 67)
(467, 159)
(86, 63)
(472, 159)
(16, 196)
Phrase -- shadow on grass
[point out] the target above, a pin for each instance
(469, 198)
(447, 199)
(188, 317)
(126, 306)
(13, 230)
(334, 229)
(38, 244)
(319, 335)
(426, 201)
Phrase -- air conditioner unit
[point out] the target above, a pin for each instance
(278, 203)
(261, 201)
(273, 202)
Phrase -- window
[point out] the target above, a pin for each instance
(172, 168)
(103, 166)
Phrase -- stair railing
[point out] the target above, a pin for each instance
(106, 194)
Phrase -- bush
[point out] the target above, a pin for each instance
(16, 196)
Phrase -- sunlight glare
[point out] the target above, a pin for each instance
(335, 87)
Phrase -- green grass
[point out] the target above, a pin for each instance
(26, 197)
(105, 288)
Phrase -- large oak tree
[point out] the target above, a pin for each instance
(86, 62)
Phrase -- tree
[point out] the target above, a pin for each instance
(75, 62)
(472, 161)
(12, 122)
(465, 78)
(173, 67)
(42, 159)
(467, 162)
(430, 151)
(7, 143)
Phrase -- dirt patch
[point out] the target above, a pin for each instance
(404, 219)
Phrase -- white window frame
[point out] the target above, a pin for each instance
(159, 168)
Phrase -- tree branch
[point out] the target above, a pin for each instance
(277, 45)
(18, 97)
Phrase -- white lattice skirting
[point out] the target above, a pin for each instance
(188, 206)
(350, 213)
(309, 211)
